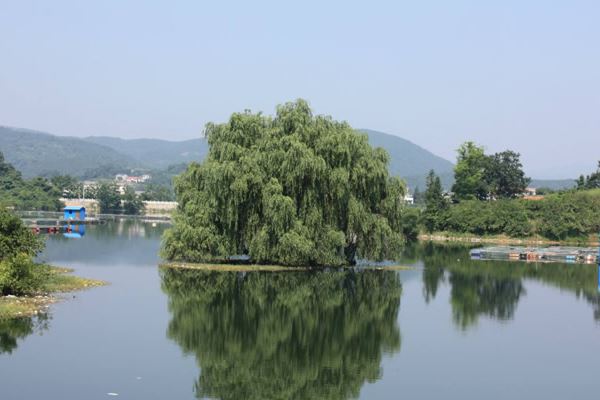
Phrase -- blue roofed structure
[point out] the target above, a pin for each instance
(74, 213)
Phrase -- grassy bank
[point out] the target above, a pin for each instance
(590, 240)
(56, 280)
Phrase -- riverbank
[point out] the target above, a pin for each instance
(58, 281)
(591, 240)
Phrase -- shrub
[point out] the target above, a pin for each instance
(19, 275)
(15, 238)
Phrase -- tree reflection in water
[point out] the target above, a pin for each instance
(284, 335)
(494, 288)
(14, 329)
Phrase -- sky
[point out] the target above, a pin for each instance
(513, 74)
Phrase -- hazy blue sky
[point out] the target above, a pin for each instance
(520, 74)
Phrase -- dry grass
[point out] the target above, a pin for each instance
(15, 307)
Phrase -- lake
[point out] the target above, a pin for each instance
(450, 327)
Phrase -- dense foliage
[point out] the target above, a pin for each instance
(15, 238)
(132, 203)
(154, 192)
(558, 216)
(288, 335)
(591, 181)
(108, 197)
(69, 186)
(481, 176)
(296, 189)
(435, 204)
(33, 194)
(18, 273)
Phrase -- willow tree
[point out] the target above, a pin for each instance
(295, 189)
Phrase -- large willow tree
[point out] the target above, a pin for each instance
(295, 189)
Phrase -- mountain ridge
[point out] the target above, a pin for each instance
(40, 153)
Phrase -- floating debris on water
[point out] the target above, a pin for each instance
(583, 255)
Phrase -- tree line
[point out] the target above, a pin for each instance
(41, 193)
(486, 199)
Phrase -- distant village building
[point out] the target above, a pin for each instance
(409, 199)
(530, 191)
(124, 178)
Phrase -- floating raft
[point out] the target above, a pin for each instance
(585, 255)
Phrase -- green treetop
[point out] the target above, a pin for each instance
(435, 203)
(469, 172)
(591, 181)
(109, 199)
(296, 189)
(481, 176)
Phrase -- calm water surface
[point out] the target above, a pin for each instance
(450, 328)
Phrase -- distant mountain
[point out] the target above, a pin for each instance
(411, 161)
(155, 153)
(37, 153)
(554, 184)
(407, 159)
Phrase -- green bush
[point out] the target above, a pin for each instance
(559, 216)
(19, 275)
(570, 214)
(508, 217)
(15, 238)
(410, 222)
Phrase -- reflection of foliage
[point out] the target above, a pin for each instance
(494, 288)
(284, 335)
(483, 294)
(11, 330)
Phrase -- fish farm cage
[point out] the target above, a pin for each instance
(584, 255)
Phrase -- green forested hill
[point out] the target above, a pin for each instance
(407, 159)
(156, 153)
(411, 161)
(36, 153)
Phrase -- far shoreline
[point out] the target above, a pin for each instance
(453, 237)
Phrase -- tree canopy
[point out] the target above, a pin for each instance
(435, 203)
(108, 197)
(591, 181)
(132, 203)
(15, 238)
(33, 194)
(481, 176)
(296, 189)
(469, 172)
